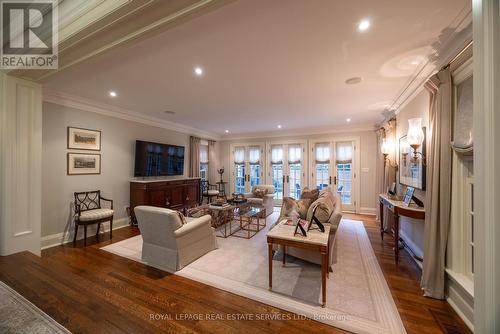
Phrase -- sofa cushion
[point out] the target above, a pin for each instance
(260, 192)
(303, 206)
(321, 208)
(311, 194)
(289, 208)
(95, 214)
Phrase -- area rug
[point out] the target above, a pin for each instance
(18, 315)
(358, 298)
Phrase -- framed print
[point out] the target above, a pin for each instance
(84, 164)
(84, 139)
(408, 195)
(412, 171)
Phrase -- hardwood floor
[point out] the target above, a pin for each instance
(92, 291)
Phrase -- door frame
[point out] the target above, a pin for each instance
(231, 161)
(286, 142)
(356, 164)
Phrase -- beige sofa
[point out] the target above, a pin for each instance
(330, 207)
(267, 201)
(168, 242)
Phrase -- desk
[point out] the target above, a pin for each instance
(316, 240)
(398, 208)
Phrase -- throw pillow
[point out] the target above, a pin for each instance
(181, 217)
(259, 192)
(311, 194)
(303, 206)
(323, 210)
(289, 208)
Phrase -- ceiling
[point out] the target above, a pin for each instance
(268, 63)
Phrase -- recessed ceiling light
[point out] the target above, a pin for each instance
(112, 94)
(364, 25)
(198, 71)
(348, 120)
(353, 80)
(279, 126)
(227, 131)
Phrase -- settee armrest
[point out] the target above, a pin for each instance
(195, 224)
(107, 200)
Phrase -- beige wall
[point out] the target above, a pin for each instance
(368, 151)
(412, 231)
(117, 161)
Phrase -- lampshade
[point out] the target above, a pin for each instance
(415, 134)
(385, 146)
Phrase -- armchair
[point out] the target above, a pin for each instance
(168, 242)
(267, 201)
(208, 190)
(88, 211)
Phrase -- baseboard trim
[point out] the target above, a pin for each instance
(368, 211)
(460, 314)
(62, 238)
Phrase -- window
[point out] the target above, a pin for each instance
(204, 161)
(295, 170)
(343, 160)
(322, 167)
(254, 160)
(277, 170)
(239, 169)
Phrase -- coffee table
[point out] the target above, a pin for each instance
(248, 219)
(222, 216)
(317, 241)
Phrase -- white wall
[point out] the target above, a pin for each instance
(117, 161)
(412, 231)
(368, 150)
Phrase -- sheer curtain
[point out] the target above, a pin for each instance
(344, 153)
(204, 154)
(254, 155)
(294, 154)
(239, 155)
(276, 155)
(323, 153)
(438, 195)
(194, 157)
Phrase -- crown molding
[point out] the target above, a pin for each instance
(450, 43)
(298, 132)
(80, 103)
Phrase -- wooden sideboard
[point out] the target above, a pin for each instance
(177, 194)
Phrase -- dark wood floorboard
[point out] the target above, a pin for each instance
(92, 291)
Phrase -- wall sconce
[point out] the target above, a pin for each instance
(404, 149)
(387, 147)
(415, 137)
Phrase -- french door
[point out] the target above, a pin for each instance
(286, 169)
(247, 167)
(334, 164)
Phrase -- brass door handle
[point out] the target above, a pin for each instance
(283, 179)
(288, 179)
(335, 180)
(330, 180)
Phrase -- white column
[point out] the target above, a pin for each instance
(486, 21)
(20, 165)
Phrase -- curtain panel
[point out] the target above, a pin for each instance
(213, 164)
(386, 172)
(438, 196)
(322, 153)
(204, 154)
(254, 155)
(276, 155)
(194, 157)
(239, 155)
(343, 153)
(294, 154)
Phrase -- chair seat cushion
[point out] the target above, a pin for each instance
(212, 192)
(95, 214)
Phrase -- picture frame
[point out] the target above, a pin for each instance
(83, 164)
(408, 195)
(84, 139)
(412, 172)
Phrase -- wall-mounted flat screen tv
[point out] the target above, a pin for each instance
(154, 159)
